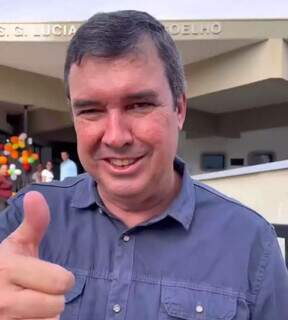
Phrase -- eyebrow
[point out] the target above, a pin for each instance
(146, 94)
(82, 103)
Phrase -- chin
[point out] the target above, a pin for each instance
(125, 190)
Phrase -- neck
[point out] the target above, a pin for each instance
(135, 210)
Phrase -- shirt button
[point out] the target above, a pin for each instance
(116, 308)
(126, 238)
(100, 210)
(199, 308)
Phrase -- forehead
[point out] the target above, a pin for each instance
(141, 67)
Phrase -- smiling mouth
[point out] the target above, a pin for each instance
(122, 163)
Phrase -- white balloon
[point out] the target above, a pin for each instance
(23, 136)
(18, 172)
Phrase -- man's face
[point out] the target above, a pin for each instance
(64, 156)
(125, 121)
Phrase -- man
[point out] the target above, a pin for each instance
(68, 167)
(142, 239)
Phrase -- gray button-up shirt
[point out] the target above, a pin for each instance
(206, 257)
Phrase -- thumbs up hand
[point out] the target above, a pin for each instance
(29, 287)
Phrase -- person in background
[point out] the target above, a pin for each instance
(47, 174)
(68, 167)
(36, 176)
(5, 186)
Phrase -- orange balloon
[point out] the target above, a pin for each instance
(14, 139)
(14, 154)
(8, 147)
(25, 153)
(25, 160)
(3, 160)
(35, 156)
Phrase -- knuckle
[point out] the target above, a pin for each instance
(57, 304)
(5, 306)
(61, 304)
(65, 281)
(6, 274)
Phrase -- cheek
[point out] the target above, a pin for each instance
(159, 129)
(87, 134)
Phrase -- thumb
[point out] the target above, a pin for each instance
(27, 237)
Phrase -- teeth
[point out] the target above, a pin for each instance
(121, 162)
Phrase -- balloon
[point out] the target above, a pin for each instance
(18, 172)
(15, 146)
(22, 136)
(22, 144)
(35, 156)
(26, 167)
(13, 172)
(25, 153)
(1, 146)
(15, 154)
(3, 160)
(25, 160)
(14, 139)
(8, 147)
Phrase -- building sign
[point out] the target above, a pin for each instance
(64, 31)
(37, 31)
(195, 29)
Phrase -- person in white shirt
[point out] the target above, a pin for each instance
(47, 174)
(68, 167)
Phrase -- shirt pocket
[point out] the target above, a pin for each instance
(73, 299)
(192, 304)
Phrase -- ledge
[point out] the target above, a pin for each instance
(259, 168)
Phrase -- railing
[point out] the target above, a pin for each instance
(282, 232)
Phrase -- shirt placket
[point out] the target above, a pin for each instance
(121, 279)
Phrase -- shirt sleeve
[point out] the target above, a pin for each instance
(272, 298)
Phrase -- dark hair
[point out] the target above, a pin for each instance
(117, 33)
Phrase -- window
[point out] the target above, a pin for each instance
(212, 161)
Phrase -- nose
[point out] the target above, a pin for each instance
(117, 133)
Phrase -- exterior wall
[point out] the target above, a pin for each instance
(26, 88)
(236, 68)
(265, 192)
(261, 140)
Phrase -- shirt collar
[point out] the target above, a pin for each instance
(181, 209)
(183, 206)
(85, 193)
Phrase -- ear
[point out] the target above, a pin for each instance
(181, 110)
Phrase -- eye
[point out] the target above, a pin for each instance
(141, 106)
(89, 112)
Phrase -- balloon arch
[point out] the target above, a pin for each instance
(17, 153)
